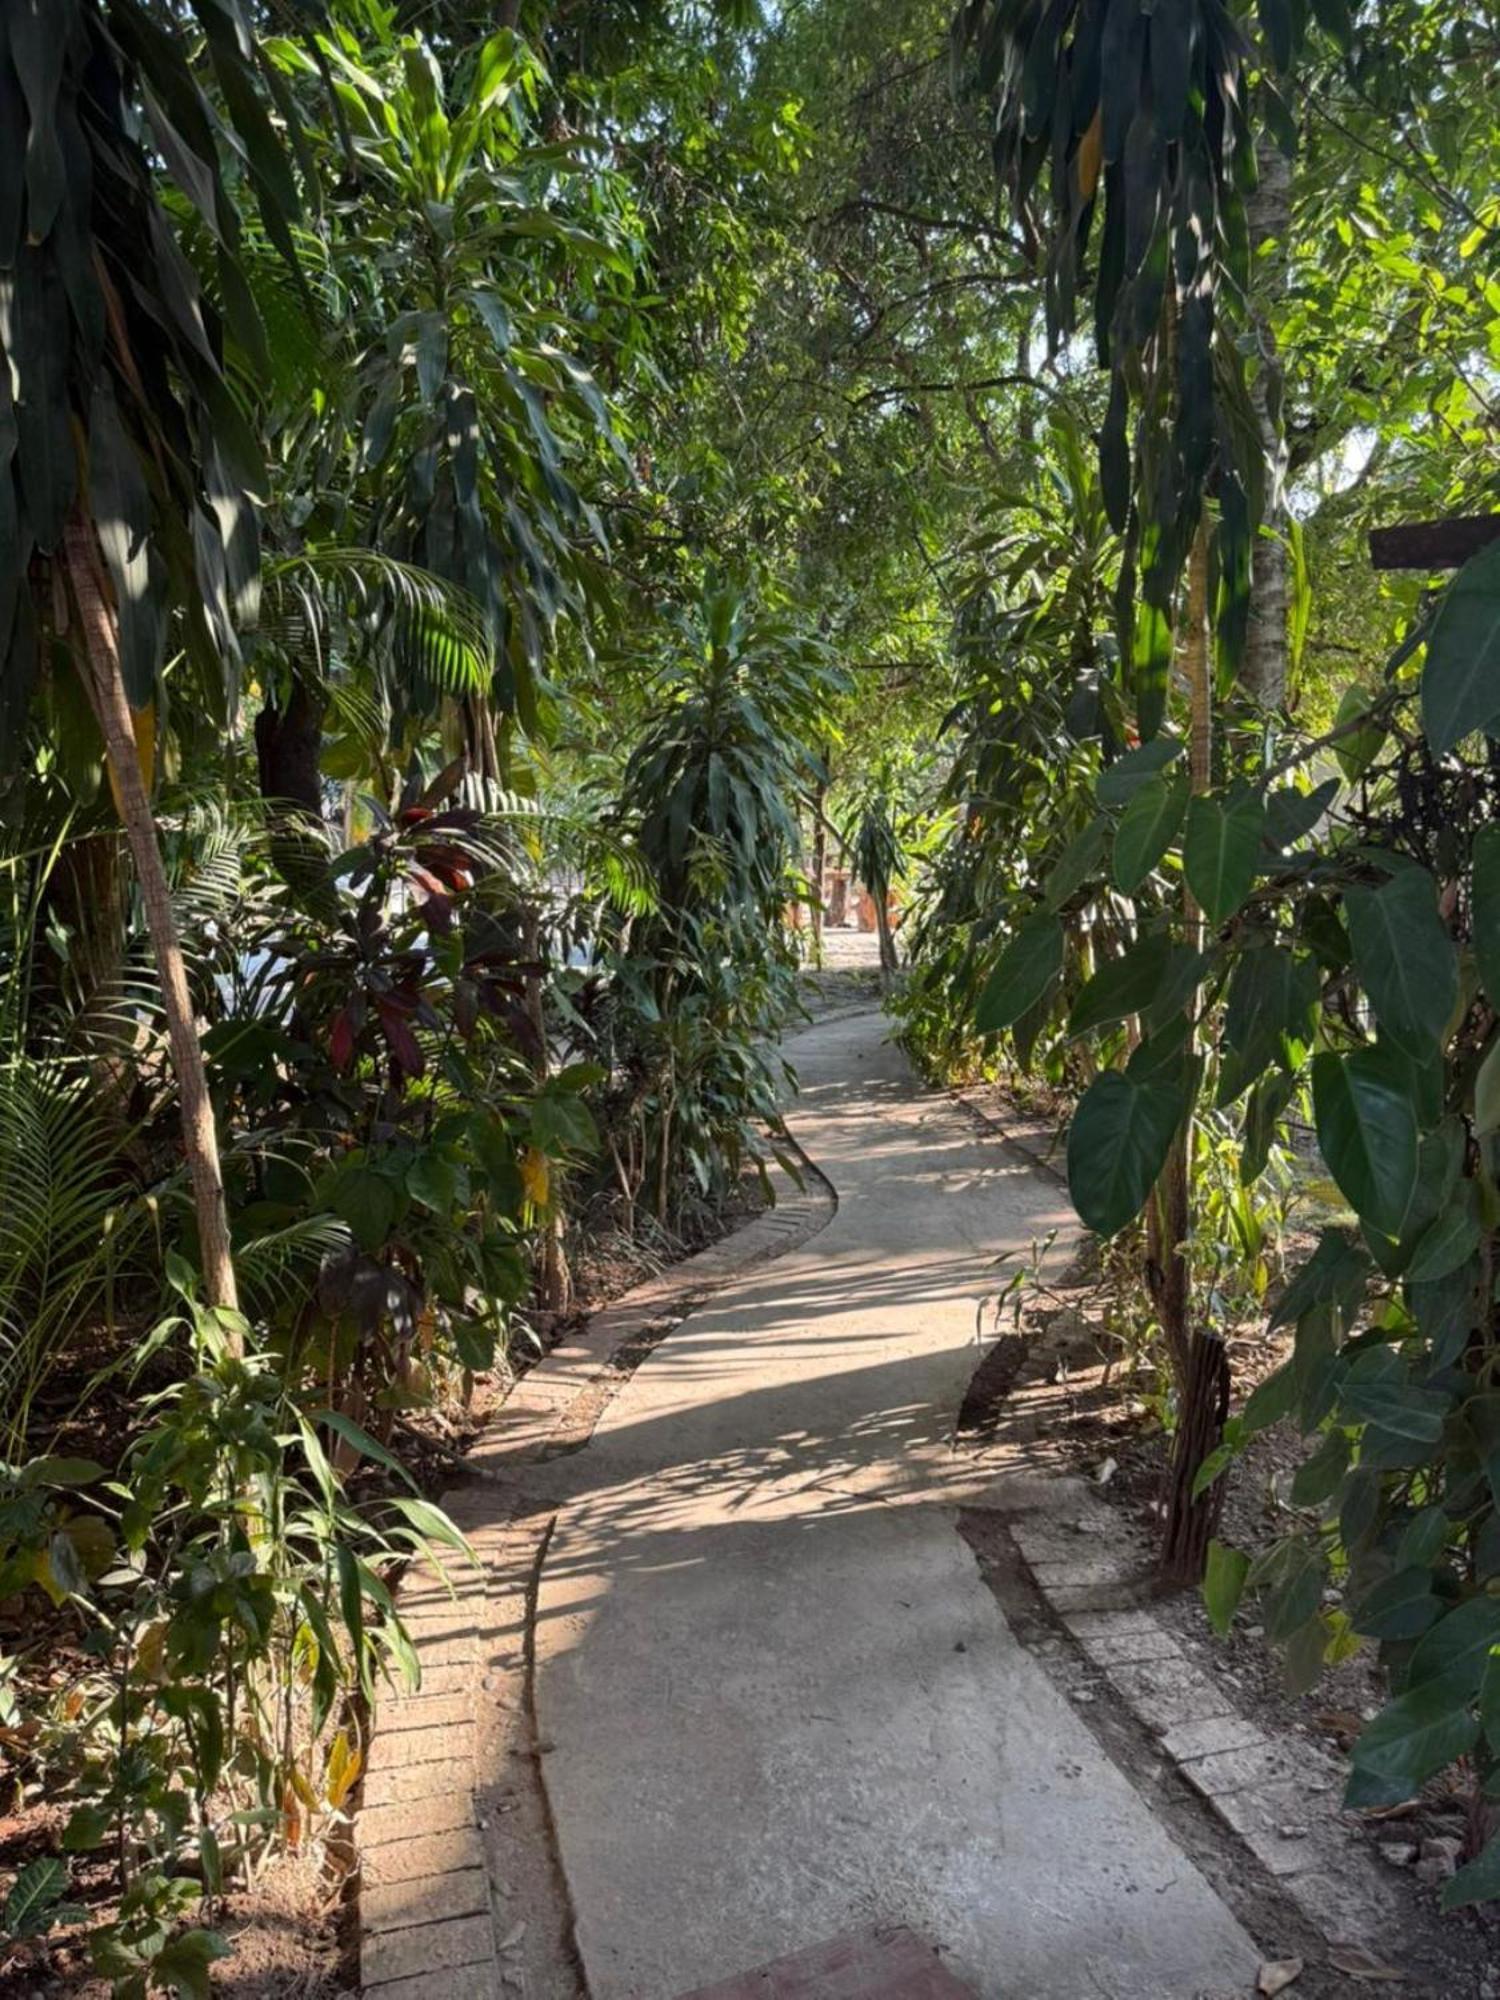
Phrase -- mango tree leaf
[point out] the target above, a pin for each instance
(1026, 969)
(1221, 850)
(1148, 828)
(1223, 1584)
(1405, 958)
(1117, 1146)
(1461, 679)
(1367, 1131)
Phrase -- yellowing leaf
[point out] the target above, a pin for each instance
(536, 1176)
(344, 1766)
(1090, 152)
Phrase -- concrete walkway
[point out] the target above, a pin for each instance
(775, 1698)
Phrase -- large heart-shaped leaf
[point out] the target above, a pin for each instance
(1221, 849)
(1077, 862)
(1411, 1739)
(1458, 1645)
(1461, 680)
(1485, 907)
(1272, 998)
(1405, 957)
(1117, 1146)
(1149, 827)
(1367, 1131)
(1152, 968)
(1027, 967)
(1119, 782)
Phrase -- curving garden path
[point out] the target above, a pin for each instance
(775, 1699)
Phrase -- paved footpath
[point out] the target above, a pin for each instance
(775, 1699)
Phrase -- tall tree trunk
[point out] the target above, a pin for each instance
(106, 691)
(554, 1279)
(1269, 215)
(1200, 1363)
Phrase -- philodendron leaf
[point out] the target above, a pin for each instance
(1479, 1882)
(1485, 906)
(1410, 1740)
(1117, 1146)
(1149, 827)
(1461, 680)
(1077, 862)
(1367, 1131)
(1223, 1584)
(1027, 967)
(1133, 983)
(1221, 849)
(1119, 782)
(1405, 958)
(1359, 749)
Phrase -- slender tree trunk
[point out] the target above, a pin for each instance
(888, 961)
(554, 1280)
(106, 691)
(1200, 1363)
(819, 863)
(1265, 667)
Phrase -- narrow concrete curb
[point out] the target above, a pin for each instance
(1278, 1797)
(435, 1923)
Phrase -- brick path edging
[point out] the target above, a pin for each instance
(433, 1923)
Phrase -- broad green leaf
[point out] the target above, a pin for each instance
(1318, 1477)
(1461, 679)
(1221, 850)
(1297, 1596)
(1273, 998)
(1479, 1882)
(1223, 1584)
(1367, 1131)
(1117, 1146)
(1394, 1403)
(1458, 1647)
(1403, 1607)
(1271, 1400)
(1133, 983)
(1485, 908)
(1026, 969)
(1448, 1242)
(1119, 782)
(1487, 1093)
(1291, 815)
(1357, 751)
(1148, 828)
(1078, 861)
(1335, 1274)
(1405, 957)
(1423, 1539)
(31, 1906)
(1410, 1740)
(1304, 1655)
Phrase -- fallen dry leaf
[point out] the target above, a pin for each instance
(1359, 1963)
(1276, 1975)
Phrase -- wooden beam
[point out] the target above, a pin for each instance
(1433, 544)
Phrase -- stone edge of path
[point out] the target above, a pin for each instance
(1274, 1793)
(433, 1921)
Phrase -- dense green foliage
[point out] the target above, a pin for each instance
(482, 506)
